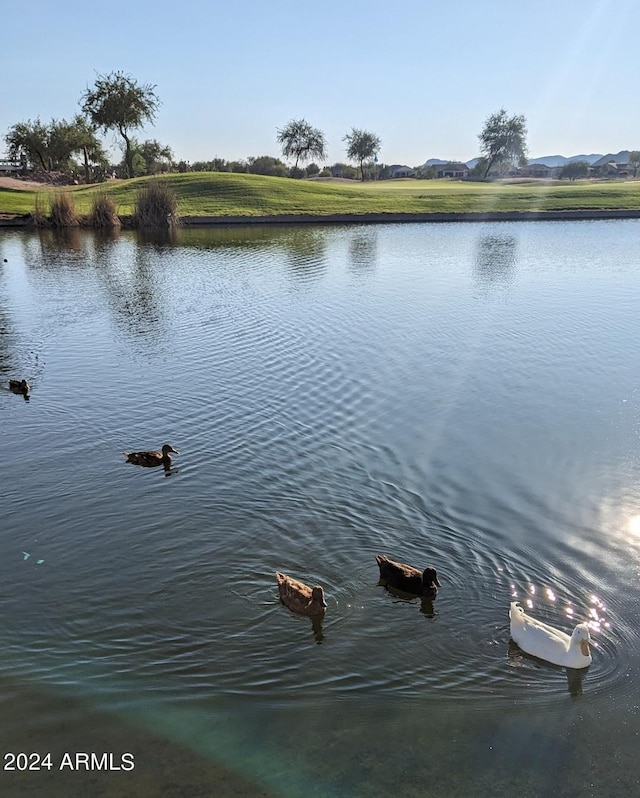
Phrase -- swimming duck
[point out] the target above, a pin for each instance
(545, 642)
(299, 597)
(407, 578)
(152, 458)
(19, 386)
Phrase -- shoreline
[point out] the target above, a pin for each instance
(395, 218)
(26, 221)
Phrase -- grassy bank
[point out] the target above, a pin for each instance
(223, 194)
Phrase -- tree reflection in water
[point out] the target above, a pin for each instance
(495, 260)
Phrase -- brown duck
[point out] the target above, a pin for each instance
(19, 386)
(150, 459)
(407, 578)
(299, 597)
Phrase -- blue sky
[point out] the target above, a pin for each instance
(422, 75)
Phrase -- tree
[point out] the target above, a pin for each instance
(266, 165)
(426, 172)
(575, 169)
(51, 147)
(62, 144)
(605, 170)
(362, 146)
(157, 157)
(136, 167)
(343, 170)
(503, 140)
(239, 167)
(117, 102)
(30, 139)
(302, 141)
(216, 165)
(87, 145)
(634, 161)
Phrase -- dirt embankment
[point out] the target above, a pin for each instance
(17, 185)
(42, 180)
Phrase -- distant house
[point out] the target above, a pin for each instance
(452, 169)
(8, 166)
(396, 170)
(610, 169)
(538, 170)
(613, 165)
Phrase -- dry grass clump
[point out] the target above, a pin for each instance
(103, 214)
(62, 211)
(39, 215)
(156, 205)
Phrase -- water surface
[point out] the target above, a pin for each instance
(460, 395)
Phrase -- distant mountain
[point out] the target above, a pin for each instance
(561, 160)
(620, 157)
(594, 159)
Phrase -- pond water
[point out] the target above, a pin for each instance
(466, 396)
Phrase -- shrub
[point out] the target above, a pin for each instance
(39, 215)
(63, 211)
(103, 214)
(156, 206)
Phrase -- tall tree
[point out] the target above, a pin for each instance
(503, 140)
(65, 140)
(362, 146)
(118, 102)
(302, 141)
(634, 161)
(88, 146)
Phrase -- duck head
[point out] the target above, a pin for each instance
(168, 448)
(430, 578)
(317, 596)
(582, 638)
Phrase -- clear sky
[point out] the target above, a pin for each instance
(421, 75)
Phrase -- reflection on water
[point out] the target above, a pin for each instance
(363, 248)
(536, 669)
(318, 631)
(495, 260)
(63, 241)
(157, 238)
(305, 253)
(426, 604)
(386, 406)
(575, 679)
(20, 392)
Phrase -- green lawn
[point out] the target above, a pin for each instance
(223, 194)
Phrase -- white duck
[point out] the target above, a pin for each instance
(545, 642)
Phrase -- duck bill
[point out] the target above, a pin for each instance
(584, 647)
(437, 582)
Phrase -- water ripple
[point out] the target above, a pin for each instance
(331, 400)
